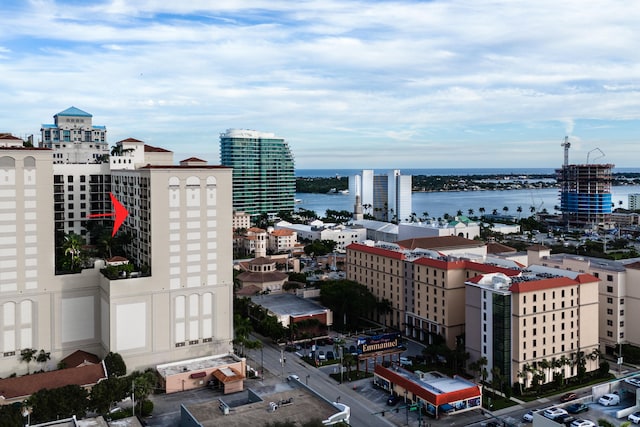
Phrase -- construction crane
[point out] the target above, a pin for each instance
(566, 144)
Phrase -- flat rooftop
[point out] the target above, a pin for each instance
(303, 408)
(288, 304)
(200, 363)
(435, 382)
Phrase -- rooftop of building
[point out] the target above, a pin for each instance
(288, 304)
(78, 358)
(220, 360)
(532, 278)
(73, 111)
(439, 243)
(596, 263)
(26, 385)
(303, 406)
(435, 384)
(151, 149)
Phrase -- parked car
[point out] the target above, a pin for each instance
(583, 423)
(609, 399)
(553, 413)
(321, 355)
(633, 381)
(405, 361)
(565, 419)
(635, 417)
(353, 350)
(528, 417)
(330, 355)
(393, 400)
(577, 408)
(568, 397)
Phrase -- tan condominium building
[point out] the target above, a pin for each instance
(541, 322)
(619, 297)
(175, 304)
(423, 280)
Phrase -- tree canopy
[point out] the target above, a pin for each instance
(348, 300)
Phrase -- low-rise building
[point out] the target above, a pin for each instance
(289, 308)
(318, 230)
(434, 392)
(458, 226)
(262, 275)
(225, 372)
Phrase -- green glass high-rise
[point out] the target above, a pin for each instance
(263, 171)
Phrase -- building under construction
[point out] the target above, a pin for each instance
(585, 192)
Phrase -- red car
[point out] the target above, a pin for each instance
(568, 397)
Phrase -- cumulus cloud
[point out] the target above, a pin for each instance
(347, 77)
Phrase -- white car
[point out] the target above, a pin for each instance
(553, 413)
(404, 361)
(528, 417)
(609, 399)
(635, 417)
(582, 423)
(293, 377)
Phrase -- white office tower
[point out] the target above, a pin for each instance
(175, 304)
(385, 197)
(634, 202)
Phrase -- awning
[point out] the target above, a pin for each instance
(446, 407)
(198, 375)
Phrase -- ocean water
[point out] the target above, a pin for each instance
(327, 173)
(436, 204)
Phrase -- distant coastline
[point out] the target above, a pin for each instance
(448, 180)
(328, 173)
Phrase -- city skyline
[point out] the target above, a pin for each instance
(347, 84)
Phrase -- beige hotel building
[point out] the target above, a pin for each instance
(180, 218)
(536, 321)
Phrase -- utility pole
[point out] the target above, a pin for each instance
(133, 398)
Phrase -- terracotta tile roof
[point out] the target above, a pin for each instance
(282, 233)
(193, 159)
(261, 276)
(441, 242)
(9, 137)
(248, 291)
(537, 247)
(261, 261)
(227, 377)
(18, 387)
(79, 357)
(130, 140)
(151, 149)
(499, 248)
(117, 258)
(634, 265)
(555, 282)
(376, 251)
(256, 230)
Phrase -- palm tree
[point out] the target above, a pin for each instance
(519, 210)
(495, 212)
(27, 355)
(481, 210)
(72, 247)
(459, 213)
(425, 215)
(470, 211)
(43, 357)
(532, 209)
(505, 209)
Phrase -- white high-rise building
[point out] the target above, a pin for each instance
(74, 138)
(385, 197)
(176, 303)
(634, 202)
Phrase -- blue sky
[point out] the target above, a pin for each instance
(349, 84)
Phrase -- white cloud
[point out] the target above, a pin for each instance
(352, 77)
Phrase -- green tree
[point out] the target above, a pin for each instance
(43, 357)
(63, 402)
(106, 393)
(11, 416)
(349, 301)
(115, 365)
(72, 247)
(27, 355)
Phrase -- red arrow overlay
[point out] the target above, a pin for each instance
(120, 213)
